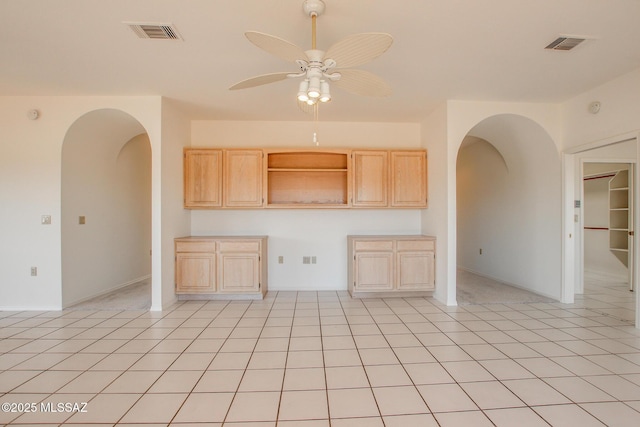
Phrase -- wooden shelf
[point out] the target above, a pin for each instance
(308, 160)
(304, 170)
(307, 179)
(619, 214)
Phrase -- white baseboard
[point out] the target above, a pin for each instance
(506, 282)
(29, 308)
(607, 275)
(164, 305)
(104, 292)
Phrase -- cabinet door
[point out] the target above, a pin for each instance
(415, 270)
(202, 178)
(408, 179)
(373, 271)
(243, 178)
(195, 273)
(239, 272)
(370, 178)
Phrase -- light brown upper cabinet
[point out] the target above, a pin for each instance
(202, 178)
(409, 179)
(243, 178)
(370, 178)
(304, 178)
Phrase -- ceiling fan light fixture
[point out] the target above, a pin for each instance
(314, 87)
(325, 93)
(318, 68)
(302, 91)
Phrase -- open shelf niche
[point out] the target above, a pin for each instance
(308, 178)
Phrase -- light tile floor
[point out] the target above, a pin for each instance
(317, 359)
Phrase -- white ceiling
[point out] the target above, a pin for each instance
(443, 49)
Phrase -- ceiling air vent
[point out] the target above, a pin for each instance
(565, 43)
(154, 31)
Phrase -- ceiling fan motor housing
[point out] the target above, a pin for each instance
(313, 7)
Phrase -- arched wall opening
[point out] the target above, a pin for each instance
(508, 199)
(106, 206)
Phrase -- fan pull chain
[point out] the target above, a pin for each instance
(315, 119)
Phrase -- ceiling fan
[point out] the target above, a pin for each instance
(317, 68)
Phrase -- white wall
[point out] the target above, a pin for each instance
(30, 184)
(483, 198)
(305, 232)
(434, 221)
(106, 177)
(172, 220)
(589, 136)
(619, 112)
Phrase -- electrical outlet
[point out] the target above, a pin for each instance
(313, 260)
(280, 259)
(480, 251)
(34, 271)
(306, 260)
(45, 220)
(82, 220)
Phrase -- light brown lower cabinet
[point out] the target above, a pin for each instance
(221, 267)
(390, 264)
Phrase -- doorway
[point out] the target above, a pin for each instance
(508, 208)
(607, 239)
(106, 213)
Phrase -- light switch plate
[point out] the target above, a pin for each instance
(46, 219)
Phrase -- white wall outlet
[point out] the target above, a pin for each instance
(45, 220)
(280, 259)
(313, 260)
(34, 271)
(306, 260)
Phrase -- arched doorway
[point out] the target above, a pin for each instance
(509, 206)
(106, 211)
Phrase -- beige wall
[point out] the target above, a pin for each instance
(30, 184)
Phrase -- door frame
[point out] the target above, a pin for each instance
(572, 231)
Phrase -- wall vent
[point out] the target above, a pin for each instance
(565, 43)
(154, 31)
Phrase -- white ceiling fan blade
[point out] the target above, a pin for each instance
(260, 80)
(276, 46)
(359, 49)
(361, 82)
